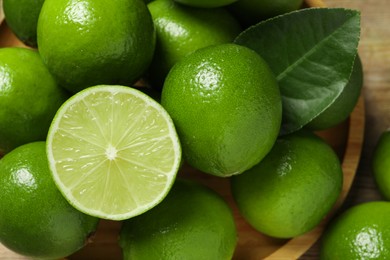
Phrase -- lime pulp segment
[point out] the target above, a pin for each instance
(113, 151)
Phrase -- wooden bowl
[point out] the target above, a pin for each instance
(346, 139)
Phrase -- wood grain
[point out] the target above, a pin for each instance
(375, 53)
(374, 50)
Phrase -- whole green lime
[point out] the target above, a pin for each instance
(182, 30)
(361, 232)
(292, 189)
(92, 42)
(381, 164)
(226, 106)
(252, 11)
(192, 222)
(343, 106)
(35, 220)
(22, 18)
(205, 3)
(29, 98)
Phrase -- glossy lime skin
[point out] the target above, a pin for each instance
(22, 18)
(29, 98)
(253, 11)
(381, 164)
(292, 189)
(92, 42)
(205, 3)
(343, 106)
(226, 106)
(361, 232)
(192, 222)
(35, 220)
(182, 30)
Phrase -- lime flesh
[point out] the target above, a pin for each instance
(113, 151)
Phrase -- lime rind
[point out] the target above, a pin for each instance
(113, 151)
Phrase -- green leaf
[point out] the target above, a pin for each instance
(311, 52)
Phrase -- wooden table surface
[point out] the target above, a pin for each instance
(374, 50)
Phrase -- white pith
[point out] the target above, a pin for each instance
(110, 154)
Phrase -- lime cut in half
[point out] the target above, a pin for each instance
(113, 152)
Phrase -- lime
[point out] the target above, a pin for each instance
(226, 105)
(291, 190)
(205, 3)
(35, 219)
(252, 11)
(192, 222)
(29, 98)
(342, 107)
(113, 151)
(361, 232)
(22, 18)
(381, 164)
(182, 30)
(90, 42)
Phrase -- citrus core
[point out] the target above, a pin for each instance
(113, 151)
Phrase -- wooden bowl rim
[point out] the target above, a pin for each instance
(296, 247)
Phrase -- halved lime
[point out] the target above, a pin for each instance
(113, 152)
